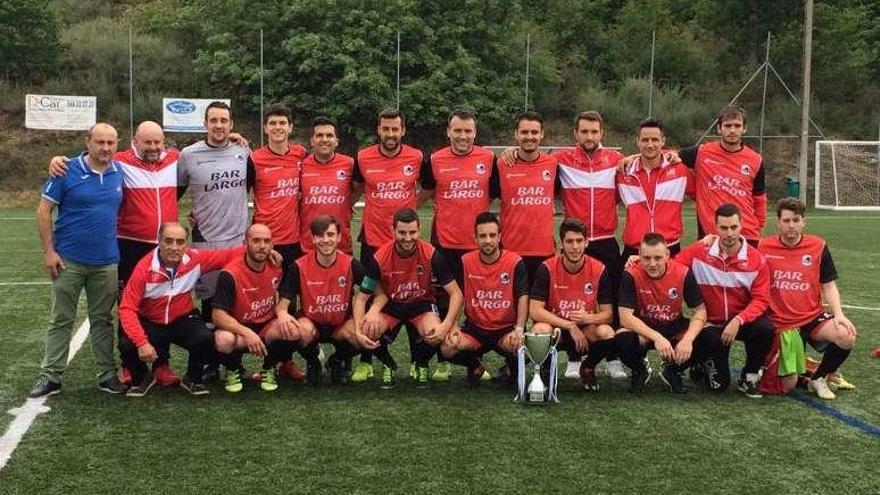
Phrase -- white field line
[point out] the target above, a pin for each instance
(41, 282)
(860, 308)
(26, 414)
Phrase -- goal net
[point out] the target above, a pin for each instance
(848, 175)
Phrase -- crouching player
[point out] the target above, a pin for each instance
(802, 274)
(403, 270)
(324, 280)
(573, 292)
(244, 314)
(496, 302)
(652, 295)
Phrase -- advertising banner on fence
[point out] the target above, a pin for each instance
(62, 113)
(186, 114)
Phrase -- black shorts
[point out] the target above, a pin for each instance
(259, 328)
(807, 332)
(486, 340)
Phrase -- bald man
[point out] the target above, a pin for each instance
(149, 199)
(79, 253)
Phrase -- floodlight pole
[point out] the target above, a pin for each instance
(805, 100)
(651, 77)
(528, 56)
(398, 69)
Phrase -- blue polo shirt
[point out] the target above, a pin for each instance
(85, 228)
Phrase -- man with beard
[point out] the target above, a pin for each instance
(496, 302)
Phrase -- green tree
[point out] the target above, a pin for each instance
(30, 47)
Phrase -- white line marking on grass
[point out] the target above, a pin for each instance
(18, 218)
(28, 412)
(42, 282)
(862, 308)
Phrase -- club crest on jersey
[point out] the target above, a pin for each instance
(340, 174)
(341, 280)
(672, 293)
(807, 259)
(275, 282)
(546, 175)
(588, 288)
(239, 157)
(505, 278)
(420, 270)
(745, 169)
(408, 170)
(481, 168)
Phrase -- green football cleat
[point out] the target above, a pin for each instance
(233, 381)
(443, 372)
(387, 378)
(422, 377)
(362, 372)
(268, 381)
(413, 371)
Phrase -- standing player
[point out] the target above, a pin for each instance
(458, 178)
(403, 270)
(323, 279)
(735, 281)
(214, 170)
(726, 171)
(588, 190)
(802, 277)
(389, 172)
(572, 291)
(652, 188)
(496, 302)
(526, 190)
(274, 173)
(652, 294)
(244, 313)
(326, 184)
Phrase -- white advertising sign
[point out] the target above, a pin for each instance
(65, 113)
(186, 114)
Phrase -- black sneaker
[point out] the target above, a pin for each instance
(588, 378)
(314, 373)
(210, 373)
(143, 388)
(44, 388)
(338, 374)
(697, 374)
(673, 379)
(112, 385)
(749, 388)
(638, 379)
(192, 387)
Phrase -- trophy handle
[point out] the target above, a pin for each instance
(557, 334)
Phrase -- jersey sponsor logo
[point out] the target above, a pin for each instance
(672, 293)
(731, 186)
(328, 303)
(789, 280)
(408, 170)
(588, 288)
(249, 289)
(259, 309)
(323, 195)
(504, 278)
(478, 277)
(395, 190)
(407, 290)
(271, 169)
(446, 170)
(659, 312)
(314, 282)
(341, 175)
(84, 177)
(490, 299)
(225, 179)
(285, 188)
(341, 280)
(463, 189)
(531, 196)
(545, 174)
(807, 259)
(745, 169)
(481, 168)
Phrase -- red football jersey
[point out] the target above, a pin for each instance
(276, 191)
(795, 280)
(571, 291)
(659, 301)
(389, 185)
(325, 292)
(326, 190)
(254, 292)
(408, 279)
(461, 193)
(653, 200)
(490, 301)
(588, 188)
(527, 206)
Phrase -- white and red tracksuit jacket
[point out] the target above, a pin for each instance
(653, 200)
(588, 188)
(733, 287)
(149, 195)
(157, 295)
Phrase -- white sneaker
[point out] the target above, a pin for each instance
(615, 370)
(820, 386)
(573, 370)
(321, 356)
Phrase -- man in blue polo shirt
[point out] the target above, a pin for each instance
(81, 252)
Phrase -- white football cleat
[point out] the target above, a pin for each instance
(615, 370)
(573, 370)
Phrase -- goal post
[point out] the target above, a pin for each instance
(847, 175)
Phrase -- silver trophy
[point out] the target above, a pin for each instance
(538, 347)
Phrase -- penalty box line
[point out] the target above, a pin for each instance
(25, 415)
